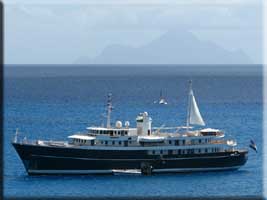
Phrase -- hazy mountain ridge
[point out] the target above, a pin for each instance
(174, 47)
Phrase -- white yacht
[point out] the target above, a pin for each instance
(123, 147)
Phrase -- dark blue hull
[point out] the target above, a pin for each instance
(61, 160)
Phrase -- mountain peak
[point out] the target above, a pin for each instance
(173, 47)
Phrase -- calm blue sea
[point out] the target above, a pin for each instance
(55, 107)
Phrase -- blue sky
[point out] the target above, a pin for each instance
(60, 32)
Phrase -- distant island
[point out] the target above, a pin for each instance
(173, 47)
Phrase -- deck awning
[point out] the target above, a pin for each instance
(81, 137)
(209, 130)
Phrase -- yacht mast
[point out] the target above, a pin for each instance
(189, 104)
(109, 109)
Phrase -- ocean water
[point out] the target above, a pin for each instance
(55, 107)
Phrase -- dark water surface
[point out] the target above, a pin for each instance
(55, 107)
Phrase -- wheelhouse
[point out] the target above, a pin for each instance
(110, 132)
(211, 132)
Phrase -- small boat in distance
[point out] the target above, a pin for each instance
(162, 100)
(111, 149)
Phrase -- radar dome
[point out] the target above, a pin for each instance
(118, 124)
(127, 124)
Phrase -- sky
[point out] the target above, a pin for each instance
(62, 32)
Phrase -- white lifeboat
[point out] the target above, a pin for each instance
(151, 139)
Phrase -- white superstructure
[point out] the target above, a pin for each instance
(182, 138)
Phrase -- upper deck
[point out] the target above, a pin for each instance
(94, 131)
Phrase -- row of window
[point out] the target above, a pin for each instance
(191, 142)
(183, 151)
(80, 141)
(115, 142)
(110, 132)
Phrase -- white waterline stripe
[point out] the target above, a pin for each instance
(127, 171)
(33, 171)
(194, 169)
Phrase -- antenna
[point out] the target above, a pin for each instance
(189, 104)
(103, 117)
(109, 109)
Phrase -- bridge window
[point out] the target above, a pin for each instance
(119, 142)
